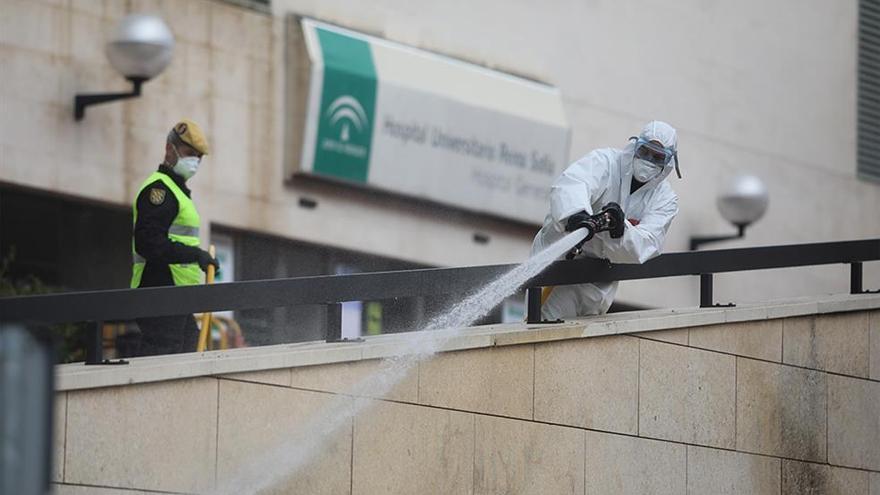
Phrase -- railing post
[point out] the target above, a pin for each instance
(94, 339)
(334, 322)
(855, 278)
(706, 290)
(533, 310)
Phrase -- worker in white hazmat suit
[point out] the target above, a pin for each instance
(630, 185)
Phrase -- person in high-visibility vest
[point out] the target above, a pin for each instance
(165, 244)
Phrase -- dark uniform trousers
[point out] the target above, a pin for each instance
(167, 335)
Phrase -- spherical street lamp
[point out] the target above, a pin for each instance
(742, 202)
(140, 49)
(141, 46)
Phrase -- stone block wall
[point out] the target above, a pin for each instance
(780, 406)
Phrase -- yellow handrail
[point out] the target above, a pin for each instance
(224, 338)
(206, 317)
(545, 294)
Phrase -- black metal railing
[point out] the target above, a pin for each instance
(128, 304)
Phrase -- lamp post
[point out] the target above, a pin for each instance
(742, 202)
(140, 49)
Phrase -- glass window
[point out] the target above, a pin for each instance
(868, 147)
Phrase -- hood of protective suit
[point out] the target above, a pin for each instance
(658, 131)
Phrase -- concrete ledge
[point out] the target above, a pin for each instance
(76, 376)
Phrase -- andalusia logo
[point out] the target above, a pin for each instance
(347, 118)
(347, 111)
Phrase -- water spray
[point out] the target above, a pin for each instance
(298, 449)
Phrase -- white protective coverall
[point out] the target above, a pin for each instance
(601, 177)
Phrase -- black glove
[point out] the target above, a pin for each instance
(616, 218)
(205, 259)
(578, 220)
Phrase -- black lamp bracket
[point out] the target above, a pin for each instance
(81, 101)
(698, 241)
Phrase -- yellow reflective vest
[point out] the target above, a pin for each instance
(184, 229)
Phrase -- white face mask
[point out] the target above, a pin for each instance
(645, 171)
(186, 166)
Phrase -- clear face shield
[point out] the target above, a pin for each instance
(655, 153)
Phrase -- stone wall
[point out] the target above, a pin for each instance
(761, 406)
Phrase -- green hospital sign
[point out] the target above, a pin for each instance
(348, 103)
(405, 121)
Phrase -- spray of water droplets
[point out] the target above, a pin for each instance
(298, 448)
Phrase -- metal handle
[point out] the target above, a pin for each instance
(206, 316)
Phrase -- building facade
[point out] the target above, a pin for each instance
(769, 89)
